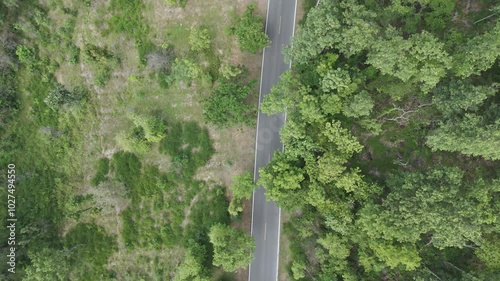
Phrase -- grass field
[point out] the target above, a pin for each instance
(152, 204)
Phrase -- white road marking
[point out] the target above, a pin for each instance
(265, 231)
(279, 27)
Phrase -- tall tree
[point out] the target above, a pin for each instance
(470, 135)
(420, 59)
(479, 53)
(249, 30)
(241, 188)
(233, 248)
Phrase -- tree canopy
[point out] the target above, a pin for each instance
(390, 166)
(233, 248)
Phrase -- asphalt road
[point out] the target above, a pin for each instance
(280, 21)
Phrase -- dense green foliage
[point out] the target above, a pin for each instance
(390, 168)
(91, 248)
(241, 188)
(249, 31)
(146, 131)
(233, 248)
(102, 170)
(226, 105)
(199, 39)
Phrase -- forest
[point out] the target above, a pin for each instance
(392, 142)
(127, 131)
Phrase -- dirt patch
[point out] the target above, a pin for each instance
(188, 210)
(235, 149)
(299, 13)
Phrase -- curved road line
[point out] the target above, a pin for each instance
(266, 215)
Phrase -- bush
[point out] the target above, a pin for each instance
(229, 71)
(226, 105)
(26, 56)
(154, 129)
(102, 170)
(133, 141)
(102, 61)
(249, 31)
(127, 18)
(183, 70)
(60, 97)
(9, 101)
(91, 248)
(126, 168)
(189, 146)
(199, 39)
(147, 131)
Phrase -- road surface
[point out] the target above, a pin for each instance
(280, 21)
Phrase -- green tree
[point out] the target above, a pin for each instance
(154, 128)
(419, 59)
(233, 248)
(440, 203)
(479, 53)
(48, 264)
(282, 179)
(460, 96)
(199, 39)
(358, 105)
(489, 252)
(226, 105)
(242, 188)
(345, 26)
(338, 80)
(183, 70)
(190, 270)
(229, 71)
(470, 135)
(249, 31)
(285, 94)
(298, 269)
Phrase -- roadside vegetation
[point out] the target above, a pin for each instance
(391, 162)
(111, 113)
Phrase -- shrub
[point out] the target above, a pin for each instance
(102, 61)
(183, 70)
(91, 248)
(126, 168)
(60, 97)
(127, 18)
(147, 130)
(189, 145)
(102, 170)
(229, 71)
(199, 39)
(226, 105)
(249, 31)
(154, 129)
(26, 56)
